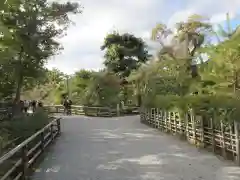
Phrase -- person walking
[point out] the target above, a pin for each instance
(65, 105)
(26, 106)
(69, 106)
(34, 104)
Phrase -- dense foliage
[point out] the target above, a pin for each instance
(29, 30)
(192, 73)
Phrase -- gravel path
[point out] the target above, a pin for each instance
(124, 149)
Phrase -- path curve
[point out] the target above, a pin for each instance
(122, 148)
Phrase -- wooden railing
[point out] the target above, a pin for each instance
(93, 111)
(17, 163)
(223, 139)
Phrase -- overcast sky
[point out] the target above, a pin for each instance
(83, 40)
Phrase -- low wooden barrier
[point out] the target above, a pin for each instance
(221, 138)
(17, 163)
(93, 111)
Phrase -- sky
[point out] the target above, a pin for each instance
(99, 17)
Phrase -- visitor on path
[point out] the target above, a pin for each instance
(69, 106)
(64, 103)
(34, 104)
(40, 104)
(26, 106)
(22, 105)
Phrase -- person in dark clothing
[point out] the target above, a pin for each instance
(40, 104)
(26, 106)
(65, 105)
(69, 106)
(22, 105)
(34, 104)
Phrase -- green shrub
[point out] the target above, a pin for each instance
(222, 107)
(24, 126)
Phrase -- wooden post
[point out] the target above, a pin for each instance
(231, 138)
(160, 119)
(181, 124)
(169, 127)
(154, 118)
(157, 119)
(212, 133)
(59, 126)
(51, 131)
(42, 141)
(193, 120)
(202, 131)
(187, 127)
(236, 130)
(174, 121)
(223, 140)
(118, 110)
(151, 117)
(24, 163)
(165, 121)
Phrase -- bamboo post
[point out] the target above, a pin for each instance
(223, 140)
(231, 138)
(154, 118)
(212, 133)
(169, 122)
(161, 120)
(202, 131)
(236, 130)
(187, 126)
(174, 121)
(157, 119)
(165, 121)
(181, 125)
(193, 121)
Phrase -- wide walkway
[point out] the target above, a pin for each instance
(124, 149)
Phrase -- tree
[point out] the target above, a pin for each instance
(124, 53)
(34, 26)
(187, 39)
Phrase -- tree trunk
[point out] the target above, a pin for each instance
(17, 105)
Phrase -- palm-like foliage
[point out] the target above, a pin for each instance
(187, 39)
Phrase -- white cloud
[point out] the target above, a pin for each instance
(82, 44)
(214, 9)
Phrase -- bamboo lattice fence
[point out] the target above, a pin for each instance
(222, 138)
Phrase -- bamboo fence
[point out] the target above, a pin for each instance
(220, 137)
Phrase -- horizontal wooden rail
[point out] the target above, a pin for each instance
(93, 111)
(16, 164)
(223, 139)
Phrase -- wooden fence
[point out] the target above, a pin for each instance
(93, 111)
(218, 136)
(17, 163)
